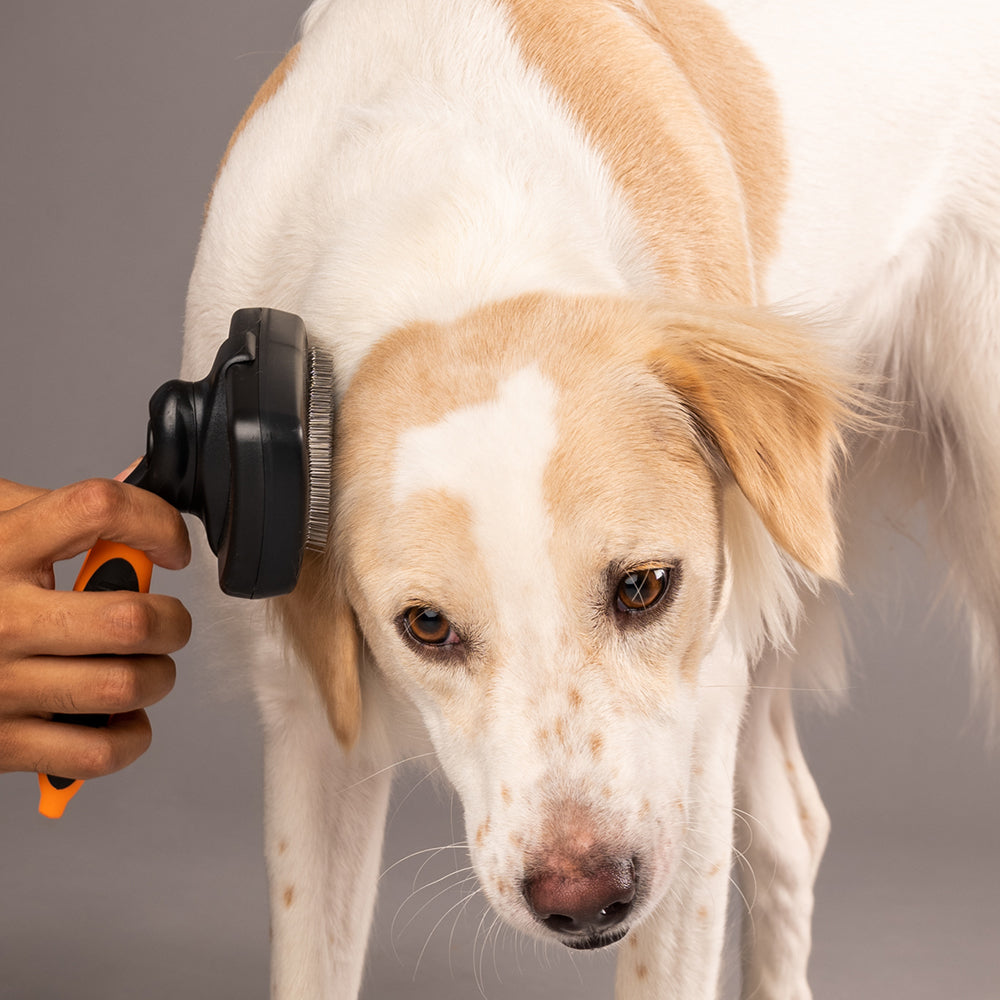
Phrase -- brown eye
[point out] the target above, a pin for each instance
(429, 627)
(642, 589)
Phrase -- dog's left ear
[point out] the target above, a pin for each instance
(321, 625)
(765, 400)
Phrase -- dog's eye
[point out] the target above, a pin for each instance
(429, 627)
(642, 589)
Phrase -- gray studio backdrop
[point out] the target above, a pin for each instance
(113, 115)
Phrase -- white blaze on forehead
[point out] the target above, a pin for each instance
(493, 456)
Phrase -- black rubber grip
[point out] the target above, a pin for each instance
(115, 574)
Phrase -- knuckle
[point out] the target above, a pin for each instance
(132, 622)
(64, 701)
(97, 502)
(9, 629)
(166, 676)
(15, 623)
(179, 619)
(100, 756)
(9, 744)
(119, 689)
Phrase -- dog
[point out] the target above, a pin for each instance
(606, 284)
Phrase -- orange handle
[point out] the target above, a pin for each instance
(108, 566)
(103, 553)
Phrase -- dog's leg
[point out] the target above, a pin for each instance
(677, 951)
(784, 832)
(325, 813)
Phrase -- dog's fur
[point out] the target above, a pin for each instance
(553, 246)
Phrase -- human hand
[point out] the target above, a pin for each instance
(77, 653)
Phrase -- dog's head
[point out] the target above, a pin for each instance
(542, 514)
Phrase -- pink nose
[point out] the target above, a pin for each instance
(582, 900)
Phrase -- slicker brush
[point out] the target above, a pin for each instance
(248, 450)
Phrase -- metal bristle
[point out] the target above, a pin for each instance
(320, 448)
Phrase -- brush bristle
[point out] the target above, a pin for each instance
(320, 446)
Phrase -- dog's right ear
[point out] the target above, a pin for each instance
(318, 619)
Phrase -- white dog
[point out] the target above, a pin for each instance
(585, 454)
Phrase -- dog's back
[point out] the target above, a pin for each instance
(892, 236)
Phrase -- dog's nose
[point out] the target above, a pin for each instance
(582, 899)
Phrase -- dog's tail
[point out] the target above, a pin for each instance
(938, 364)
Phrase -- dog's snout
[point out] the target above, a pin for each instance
(583, 900)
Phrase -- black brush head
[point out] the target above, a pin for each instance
(233, 449)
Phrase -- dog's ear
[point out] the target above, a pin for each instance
(764, 399)
(324, 633)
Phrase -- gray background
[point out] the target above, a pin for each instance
(113, 116)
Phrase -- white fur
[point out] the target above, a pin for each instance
(408, 207)
(412, 167)
(506, 444)
(892, 235)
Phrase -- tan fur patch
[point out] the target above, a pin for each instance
(561, 732)
(737, 96)
(663, 101)
(321, 625)
(482, 832)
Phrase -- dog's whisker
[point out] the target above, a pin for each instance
(748, 904)
(511, 940)
(388, 767)
(747, 820)
(476, 956)
(399, 805)
(454, 926)
(444, 878)
(476, 964)
(544, 953)
(750, 820)
(429, 859)
(746, 865)
(457, 887)
(493, 931)
(496, 942)
(461, 881)
(482, 945)
(796, 689)
(416, 854)
(462, 903)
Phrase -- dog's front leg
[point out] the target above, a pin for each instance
(325, 814)
(786, 829)
(677, 951)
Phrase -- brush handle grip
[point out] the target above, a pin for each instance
(108, 566)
